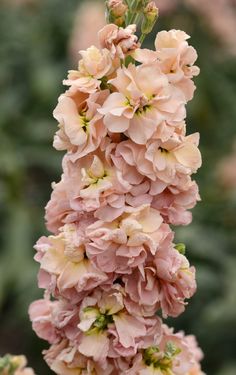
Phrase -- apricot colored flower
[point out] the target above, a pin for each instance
(142, 101)
(117, 40)
(64, 269)
(81, 128)
(125, 243)
(93, 67)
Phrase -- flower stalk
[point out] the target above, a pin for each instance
(110, 263)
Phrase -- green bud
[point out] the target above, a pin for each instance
(150, 17)
(9, 363)
(116, 11)
(181, 247)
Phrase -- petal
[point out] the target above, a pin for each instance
(95, 346)
(128, 328)
(189, 155)
(116, 124)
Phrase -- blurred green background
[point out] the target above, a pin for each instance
(36, 50)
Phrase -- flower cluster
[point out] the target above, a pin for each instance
(14, 365)
(111, 262)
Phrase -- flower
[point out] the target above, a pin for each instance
(109, 330)
(167, 161)
(90, 184)
(164, 282)
(171, 355)
(93, 67)
(81, 128)
(174, 201)
(64, 359)
(125, 243)
(64, 269)
(40, 313)
(142, 101)
(119, 41)
(178, 155)
(175, 58)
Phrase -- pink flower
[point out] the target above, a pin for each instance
(173, 199)
(117, 40)
(125, 243)
(177, 280)
(81, 128)
(166, 161)
(64, 270)
(142, 101)
(64, 359)
(174, 202)
(178, 155)
(170, 355)
(163, 283)
(176, 60)
(109, 330)
(93, 67)
(90, 184)
(40, 313)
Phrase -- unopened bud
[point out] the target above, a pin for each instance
(181, 248)
(117, 8)
(150, 17)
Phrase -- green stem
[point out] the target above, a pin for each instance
(142, 38)
(131, 13)
(134, 18)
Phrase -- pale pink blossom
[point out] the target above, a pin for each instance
(126, 242)
(143, 100)
(93, 67)
(64, 359)
(171, 199)
(175, 201)
(109, 330)
(176, 60)
(40, 313)
(64, 269)
(177, 280)
(163, 283)
(118, 40)
(90, 184)
(81, 128)
(171, 355)
(178, 155)
(163, 161)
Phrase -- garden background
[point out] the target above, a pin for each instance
(39, 40)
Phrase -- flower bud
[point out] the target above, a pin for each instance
(181, 248)
(150, 17)
(117, 8)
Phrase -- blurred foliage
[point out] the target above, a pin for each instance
(34, 59)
